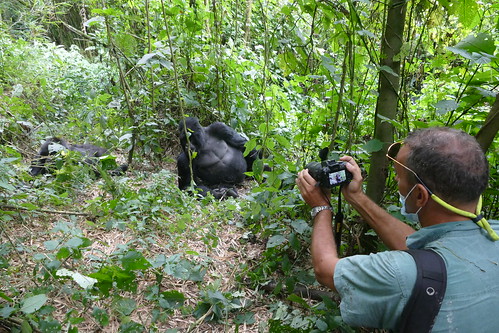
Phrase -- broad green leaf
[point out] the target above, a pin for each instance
(134, 260)
(26, 327)
(50, 325)
(282, 141)
(445, 106)
(74, 242)
(108, 12)
(97, 20)
(6, 311)
(29, 206)
(32, 304)
(171, 299)
(372, 146)
(51, 244)
(389, 70)
(146, 58)
(467, 12)
(245, 318)
(321, 325)
(101, 316)
(300, 226)
(297, 299)
(63, 253)
(479, 48)
(249, 146)
(328, 63)
(275, 241)
(126, 43)
(394, 123)
(125, 305)
(131, 327)
(6, 186)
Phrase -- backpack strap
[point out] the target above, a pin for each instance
(428, 293)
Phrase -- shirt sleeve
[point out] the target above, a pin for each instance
(375, 288)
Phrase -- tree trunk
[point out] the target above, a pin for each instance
(489, 130)
(247, 20)
(387, 103)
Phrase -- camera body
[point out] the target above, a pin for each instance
(329, 173)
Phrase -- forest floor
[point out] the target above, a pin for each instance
(222, 258)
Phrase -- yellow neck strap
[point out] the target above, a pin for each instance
(477, 218)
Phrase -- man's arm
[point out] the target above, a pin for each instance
(323, 247)
(391, 230)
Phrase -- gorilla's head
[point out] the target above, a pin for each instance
(192, 129)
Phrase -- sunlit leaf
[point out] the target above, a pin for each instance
(82, 280)
(32, 304)
(479, 48)
(146, 58)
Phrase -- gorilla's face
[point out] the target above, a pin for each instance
(195, 133)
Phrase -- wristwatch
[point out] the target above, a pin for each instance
(318, 209)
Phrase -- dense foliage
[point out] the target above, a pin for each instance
(135, 254)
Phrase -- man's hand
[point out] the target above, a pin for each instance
(312, 194)
(355, 186)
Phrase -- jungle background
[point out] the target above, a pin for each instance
(133, 253)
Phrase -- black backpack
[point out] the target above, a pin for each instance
(428, 293)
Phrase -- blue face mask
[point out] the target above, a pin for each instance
(413, 217)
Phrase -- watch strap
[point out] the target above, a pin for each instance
(317, 209)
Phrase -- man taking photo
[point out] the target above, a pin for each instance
(441, 174)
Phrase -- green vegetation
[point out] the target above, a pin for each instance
(133, 253)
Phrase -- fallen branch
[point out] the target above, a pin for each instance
(63, 212)
(304, 292)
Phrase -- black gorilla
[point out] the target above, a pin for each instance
(52, 146)
(218, 162)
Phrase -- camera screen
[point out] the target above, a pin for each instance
(337, 177)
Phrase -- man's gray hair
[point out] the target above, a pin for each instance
(450, 162)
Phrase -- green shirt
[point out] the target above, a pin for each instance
(375, 288)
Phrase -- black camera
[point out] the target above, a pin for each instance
(329, 173)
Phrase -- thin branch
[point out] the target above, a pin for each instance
(304, 292)
(10, 207)
(82, 34)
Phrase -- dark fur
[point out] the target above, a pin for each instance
(219, 163)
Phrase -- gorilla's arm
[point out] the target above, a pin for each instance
(184, 173)
(227, 134)
(89, 150)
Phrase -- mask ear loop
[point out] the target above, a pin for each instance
(477, 218)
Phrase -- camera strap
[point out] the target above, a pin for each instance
(338, 223)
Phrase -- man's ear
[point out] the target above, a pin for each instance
(423, 195)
